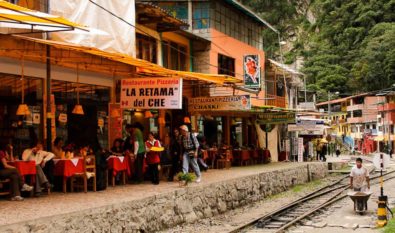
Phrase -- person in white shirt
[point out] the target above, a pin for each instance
(359, 177)
(41, 158)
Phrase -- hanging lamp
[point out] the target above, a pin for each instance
(148, 114)
(23, 109)
(187, 120)
(78, 108)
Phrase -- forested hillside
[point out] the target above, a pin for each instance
(347, 45)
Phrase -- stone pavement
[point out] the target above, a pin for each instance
(72, 203)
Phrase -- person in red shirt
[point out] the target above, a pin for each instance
(10, 172)
(153, 157)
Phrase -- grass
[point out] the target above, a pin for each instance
(300, 187)
(390, 228)
(297, 188)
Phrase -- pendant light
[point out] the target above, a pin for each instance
(23, 109)
(148, 114)
(187, 120)
(78, 108)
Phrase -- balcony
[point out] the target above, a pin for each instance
(353, 120)
(386, 107)
(355, 107)
(277, 101)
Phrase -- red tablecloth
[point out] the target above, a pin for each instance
(25, 167)
(116, 165)
(68, 167)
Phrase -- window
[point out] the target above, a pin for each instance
(146, 48)
(357, 113)
(226, 65)
(175, 56)
(176, 9)
(200, 19)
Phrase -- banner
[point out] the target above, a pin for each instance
(220, 103)
(120, 37)
(300, 149)
(252, 71)
(151, 93)
(276, 118)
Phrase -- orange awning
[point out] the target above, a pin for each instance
(16, 17)
(143, 67)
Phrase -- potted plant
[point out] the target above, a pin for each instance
(186, 178)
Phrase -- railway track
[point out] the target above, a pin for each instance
(283, 218)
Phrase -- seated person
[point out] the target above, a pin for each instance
(117, 148)
(43, 161)
(9, 172)
(57, 148)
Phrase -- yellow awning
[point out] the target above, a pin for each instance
(379, 138)
(14, 16)
(143, 67)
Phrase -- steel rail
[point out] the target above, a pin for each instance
(307, 197)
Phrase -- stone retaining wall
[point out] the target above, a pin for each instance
(180, 206)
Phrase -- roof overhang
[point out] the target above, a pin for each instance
(251, 14)
(153, 16)
(284, 68)
(92, 59)
(22, 21)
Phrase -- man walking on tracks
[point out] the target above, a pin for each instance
(359, 182)
(359, 177)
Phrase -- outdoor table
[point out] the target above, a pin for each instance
(25, 168)
(118, 164)
(67, 168)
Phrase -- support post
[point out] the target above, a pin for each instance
(48, 90)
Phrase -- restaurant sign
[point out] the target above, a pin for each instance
(276, 118)
(151, 93)
(252, 71)
(220, 103)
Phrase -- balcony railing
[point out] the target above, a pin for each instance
(386, 107)
(273, 100)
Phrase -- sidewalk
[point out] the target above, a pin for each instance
(59, 203)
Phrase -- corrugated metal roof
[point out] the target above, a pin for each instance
(250, 13)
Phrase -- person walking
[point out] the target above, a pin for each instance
(190, 147)
(324, 150)
(359, 178)
(153, 158)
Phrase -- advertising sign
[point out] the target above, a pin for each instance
(276, 118)
(151, 93)
(220, 103)
(287, 146)
(252, 71)
(300, 149)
